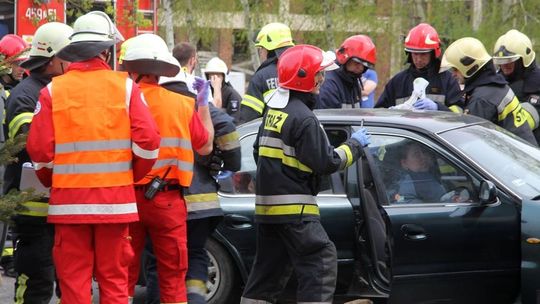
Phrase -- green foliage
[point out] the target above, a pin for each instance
(11, 202)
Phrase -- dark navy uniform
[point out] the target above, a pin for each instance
(525, 82)
(230, 99)
(340, 89)
(488, 95)
(34, 237)
(263, 82)
(442, 88)
(292, 152)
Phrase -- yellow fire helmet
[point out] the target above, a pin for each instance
(274, 36)
(467, 55)
(511, 46)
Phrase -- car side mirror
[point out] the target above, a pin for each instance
(488, 193)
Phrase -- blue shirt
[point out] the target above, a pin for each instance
(369, 101)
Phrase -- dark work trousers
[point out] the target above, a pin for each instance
(198, 231)
(197, 275)
(33, 263)
(281, 248)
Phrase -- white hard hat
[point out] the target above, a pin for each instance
(95, 26)
(49, 38)
(148, 54)
(216, 65)
(93, 33)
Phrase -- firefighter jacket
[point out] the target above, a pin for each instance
(292, 152)
(442, 88)
(263, 82)
(92, 136)
(201, 197)
(230, 99)
(525, 82)
(5, 91)
(19, 112)
(173, 114)
(488, 95)
(340, 89)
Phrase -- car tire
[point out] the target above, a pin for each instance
(223, 281)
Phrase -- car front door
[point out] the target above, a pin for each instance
(445, 246)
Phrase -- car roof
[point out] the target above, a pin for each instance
(430, 121)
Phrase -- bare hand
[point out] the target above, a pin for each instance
(216, 81)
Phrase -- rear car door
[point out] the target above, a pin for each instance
(445, 247)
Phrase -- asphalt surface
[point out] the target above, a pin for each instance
(7, 291)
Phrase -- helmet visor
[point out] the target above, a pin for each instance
(505, 59)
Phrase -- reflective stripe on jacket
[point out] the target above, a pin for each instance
(173, 113)
(92, 143)
(201, 197)
(292, 152)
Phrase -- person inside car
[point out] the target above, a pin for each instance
(418, 182)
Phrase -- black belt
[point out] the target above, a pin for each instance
(165, 188)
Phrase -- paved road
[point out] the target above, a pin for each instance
(6, 292)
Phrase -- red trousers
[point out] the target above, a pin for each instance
(164, 220)
(83, 250)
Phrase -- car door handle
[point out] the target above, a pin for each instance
(414, 232)
(237, 221)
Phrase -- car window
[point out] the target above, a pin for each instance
(243, 181)
(510, 160)
(413, 173)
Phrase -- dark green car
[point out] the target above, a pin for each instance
(473, 238)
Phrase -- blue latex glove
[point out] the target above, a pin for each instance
(224, 174)
(203, 91)
(362, 137)
(425, 104)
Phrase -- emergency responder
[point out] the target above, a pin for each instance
(487, 93)
(204, 211)
(292, 152)
(514, 55)
(272, 40)
(13, 50)
(163, 213)
(34, 237)
(224, 96)
(423, 49)
(342, 88)
(186, 54)
(92, 136)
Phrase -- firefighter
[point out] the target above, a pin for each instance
(487, 93)
(92, 136)
(13, 51)
(514, 55)
(342, 87)
(272, 40)
(423, 49)
(204, 211)
(34, 237)
(223, 93)
(292, 152)
(163, 213)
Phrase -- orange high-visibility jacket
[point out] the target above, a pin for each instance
(173, 115)
(93, 143)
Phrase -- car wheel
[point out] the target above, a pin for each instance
(223, 282)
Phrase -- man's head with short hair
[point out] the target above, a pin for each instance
(186, 54)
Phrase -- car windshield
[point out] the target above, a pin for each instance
(513, 162)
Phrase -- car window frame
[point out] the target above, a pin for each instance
(438, 147)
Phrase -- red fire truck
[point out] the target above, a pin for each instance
(24, 16)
